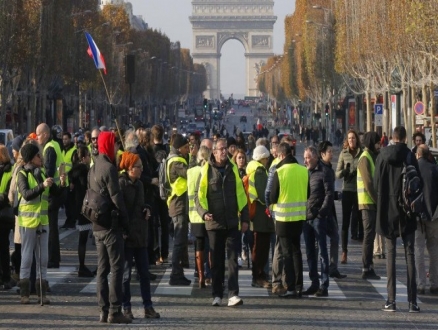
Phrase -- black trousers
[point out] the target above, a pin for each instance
(219, 241)
(110, 258)
(350, 210)
(54, 247)
(5, 269)
(292, 257)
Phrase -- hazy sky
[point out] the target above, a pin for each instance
(172, 18)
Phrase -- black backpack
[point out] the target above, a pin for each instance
(412, 198)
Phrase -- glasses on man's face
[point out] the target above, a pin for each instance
(221, 149)
(94, 139)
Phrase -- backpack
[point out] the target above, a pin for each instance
(412, 198)
(163, 179)
(251, 205)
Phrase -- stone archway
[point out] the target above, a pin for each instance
(214, 22)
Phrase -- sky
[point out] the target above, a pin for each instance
(172, 18)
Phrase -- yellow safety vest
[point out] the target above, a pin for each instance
(362, 196)
(274, 162)
(251, 170)
(5, 180)
(203, 188)
(179, 186)
(192, 178)
(291, 204)
(59, 158)
(36, 211)
(67, 156)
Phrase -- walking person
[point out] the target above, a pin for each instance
(33, 195)
(392, 222)
(219, 199)
(367, 198)
(136, 243)
(347, 170)
(78, 178)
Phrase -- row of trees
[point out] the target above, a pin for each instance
(43, 58)
(368, 47)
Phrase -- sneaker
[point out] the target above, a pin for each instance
(321, 293)
(180, 281)
(311, 290)
(217, 301)
(103, 317)
(389, 307)
(413, 308)
(235, 301)
(278, 289)
(337, 274)
(150, 313)
(119, 318)
(370, 275)
(289, 294)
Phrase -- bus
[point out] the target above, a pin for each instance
(199, 113)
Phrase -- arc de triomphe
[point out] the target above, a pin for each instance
(214, 22)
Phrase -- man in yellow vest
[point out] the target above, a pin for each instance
(52, 158)
(177, 167)
(68, 150)
(289, 193)
(221, 201)
(367, 197)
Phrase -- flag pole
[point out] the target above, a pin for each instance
(106, 89)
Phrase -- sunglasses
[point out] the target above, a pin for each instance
(93, 138)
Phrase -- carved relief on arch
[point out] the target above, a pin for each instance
(205, 42)
(261, 41)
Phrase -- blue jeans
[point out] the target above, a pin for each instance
(180, 241)
(142, 264)
(315, 231)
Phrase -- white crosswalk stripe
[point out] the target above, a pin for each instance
(164, 288)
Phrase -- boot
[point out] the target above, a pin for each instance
(344, 258)
(200, 266)
(42, 292)
(25, 291)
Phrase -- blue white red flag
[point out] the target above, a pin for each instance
(95, 53)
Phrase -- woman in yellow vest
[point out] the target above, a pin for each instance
(33, 196)
(196, 222)
(6, 225)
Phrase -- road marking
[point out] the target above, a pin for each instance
(91, 287)
(55, 275)
(66, 233)
(245, 288)
(401, 293)
(334, 290)
(163, 288)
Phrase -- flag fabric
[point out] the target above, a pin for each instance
(94, 52)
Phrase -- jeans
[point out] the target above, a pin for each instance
(349, 210)
(427, 236)
(408, 244)
(315, 232)
(369, 234)
(30, 246)
(180, 241)
(333, 234)
(142, 264)
(292, 257)
(110, 258)
(219, 241)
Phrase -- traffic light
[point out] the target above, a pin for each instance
(205, 104)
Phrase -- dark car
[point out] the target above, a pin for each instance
(243, 119)
(290, 138)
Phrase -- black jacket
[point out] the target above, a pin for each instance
(391, 221)
(78, 176)
(321, 192)
(103, 174)
(134, 200)
(429, 173)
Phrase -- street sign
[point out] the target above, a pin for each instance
(419, 108)
(378, 120)
(378, 109)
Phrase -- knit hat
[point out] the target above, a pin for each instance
(128, 160)
(29, 151)
(33, 136)
(260, 152)
(179, 141)
(231, 142)
(17, 142)
(105, 144)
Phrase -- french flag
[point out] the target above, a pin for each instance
(95, 53)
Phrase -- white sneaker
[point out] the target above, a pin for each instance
(239, 262)
(235, 301)
(217, 301)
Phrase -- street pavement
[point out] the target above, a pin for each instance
(352, 303)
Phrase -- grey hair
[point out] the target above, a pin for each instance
(203, 155)
(262, 142)
(131, 140)
(219, 140)
(312, 151)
